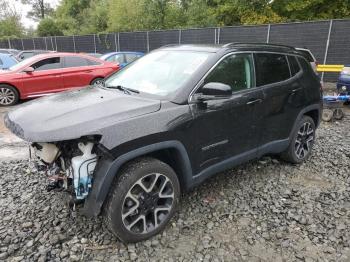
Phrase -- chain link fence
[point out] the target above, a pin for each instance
(328, 40)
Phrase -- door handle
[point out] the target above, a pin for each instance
(251, 102)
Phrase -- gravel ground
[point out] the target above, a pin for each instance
(266, 210)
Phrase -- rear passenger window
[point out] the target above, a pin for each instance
(27, 55)
(271, 68)
(294, 65)
(73, 61)
(93, 62)
(131, 57)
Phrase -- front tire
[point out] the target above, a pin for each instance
(8, 95)
(143, 199)
(302, 141)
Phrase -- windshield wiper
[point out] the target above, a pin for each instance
(124, 89)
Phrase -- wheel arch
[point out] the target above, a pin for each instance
(315, 115)
(314, 111)
(97, 77)
(172, 153)
(9, 84)
(16, 90)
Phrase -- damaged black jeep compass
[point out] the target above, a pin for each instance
(167, 122)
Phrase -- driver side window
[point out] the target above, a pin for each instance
(47, 64)
(235, 70)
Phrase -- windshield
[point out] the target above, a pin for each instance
(159, 73)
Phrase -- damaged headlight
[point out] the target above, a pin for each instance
(46, 152)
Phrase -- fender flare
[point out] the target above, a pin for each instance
(309, 108)
(107, 170)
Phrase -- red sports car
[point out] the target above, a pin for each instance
(51, 73)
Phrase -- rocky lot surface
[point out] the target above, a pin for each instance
(266, 210)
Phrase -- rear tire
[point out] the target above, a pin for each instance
(97, 81)
(143, 199)
(9, 95)
(302, 141)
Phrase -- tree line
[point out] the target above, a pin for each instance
(101, 16)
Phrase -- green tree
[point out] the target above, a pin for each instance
(235, 12)
(48, 27)
(82, 16)
(199, 14)
(10, 25)
(71, 16)
(301, 10)
(39, 9)
(126, 15)
(97, 17)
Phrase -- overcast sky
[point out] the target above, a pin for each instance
(23, 10)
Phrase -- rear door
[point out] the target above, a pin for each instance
(46, 77)
(77, 71)
(278, 76)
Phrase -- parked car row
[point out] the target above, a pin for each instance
(51, 73)
(30, 74)
(6, 61)
(27, 80)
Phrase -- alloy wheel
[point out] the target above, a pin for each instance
(148, 203)
(7, 96)
(98, 82)
(304, 140)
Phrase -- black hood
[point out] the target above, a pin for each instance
(73, 114)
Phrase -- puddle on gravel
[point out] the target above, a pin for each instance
(14, 152)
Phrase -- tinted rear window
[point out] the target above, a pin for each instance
(131, 57)
(271, 68)
(74, 61)
(305, 65)
(27, 54)
(294, 65)
(307, 55)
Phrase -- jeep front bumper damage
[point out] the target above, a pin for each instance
(69, 166)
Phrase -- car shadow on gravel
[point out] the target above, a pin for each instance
(266, 210)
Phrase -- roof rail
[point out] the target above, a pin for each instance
(257, 44)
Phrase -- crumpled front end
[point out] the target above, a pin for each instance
(69, 165)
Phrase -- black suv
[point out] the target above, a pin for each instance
(167, 122)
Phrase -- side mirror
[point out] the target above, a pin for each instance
(28, 70)
(214, 90)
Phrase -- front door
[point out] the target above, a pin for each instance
(227, 128)
(45, 79)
